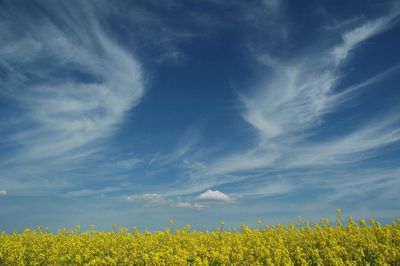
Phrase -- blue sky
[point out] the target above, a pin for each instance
(134, 113)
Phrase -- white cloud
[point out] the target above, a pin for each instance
(71, 85)
(349, 148)
(354, 37)
(158, 199)
(65, 113)
(289, 108)
(189, 205)
(3, 192)
(214, 195)
(236, 163)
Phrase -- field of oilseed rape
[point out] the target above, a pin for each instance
(353, 243)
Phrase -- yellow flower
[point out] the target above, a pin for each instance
(320, 244)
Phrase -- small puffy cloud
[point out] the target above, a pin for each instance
(3, 193)
(214, 195)
(188, 205)
(151, 197)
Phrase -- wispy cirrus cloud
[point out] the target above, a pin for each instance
(72, 84)
(189, 205)
(288, 112)
(148, 197)
(68, 85)
(353, 38)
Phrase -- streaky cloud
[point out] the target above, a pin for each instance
(74, 84)
(293, 103)
(353, 38)
(149, 197)
(189, 205)
(288, 110)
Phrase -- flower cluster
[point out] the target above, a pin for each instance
(303, 244)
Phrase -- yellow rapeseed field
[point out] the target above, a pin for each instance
(319, 244)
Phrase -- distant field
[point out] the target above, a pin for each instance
(356, 243)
